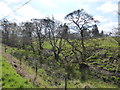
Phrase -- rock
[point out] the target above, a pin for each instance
(87, 87)
(76, 83)
(15, 65)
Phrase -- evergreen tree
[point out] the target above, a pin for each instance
(102, 33)
(95, 31)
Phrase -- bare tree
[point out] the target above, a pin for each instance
(81, 21)
(56, 40)
(5, 31)
(38, 32)
(13, 34)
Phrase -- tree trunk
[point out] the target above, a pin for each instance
(40, 46)
(32, 48)
(11, 53)
(5, 49)
(66, 76)
(20, 60)
(83, 47)
(84, 69)
(56, 56)
(36, 70)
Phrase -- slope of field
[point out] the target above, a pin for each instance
(105, 58)
(10, 79)
(106, 47)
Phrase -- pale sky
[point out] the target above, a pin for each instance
(103, 10)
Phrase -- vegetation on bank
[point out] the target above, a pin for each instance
(10, 78)
(97, 59)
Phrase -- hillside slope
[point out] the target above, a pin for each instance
(10, 79)
(92, 81)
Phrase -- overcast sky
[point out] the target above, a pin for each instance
(103, 10)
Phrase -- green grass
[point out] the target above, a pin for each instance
(10, 79)
(108, 45)
(108, 42)
(102, 42)
(43, 81)
(47, 45)
(92, 83)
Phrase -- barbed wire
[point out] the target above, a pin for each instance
(17, 9)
